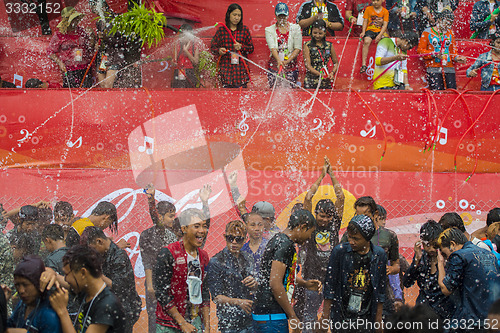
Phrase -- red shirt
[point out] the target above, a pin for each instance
(73, 48)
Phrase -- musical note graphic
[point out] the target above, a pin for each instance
(18, 78)
(365, 133)
(371, 69)
(147, 142)
(164, 63)
(26, 135)
(316, 121)
(242, 126)
(72, 144)
(443, 141)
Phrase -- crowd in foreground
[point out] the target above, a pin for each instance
(68, 276)
(396, 26)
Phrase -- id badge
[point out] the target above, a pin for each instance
(78, 54)
(355, 301)
(281, 55)
(492, 30)
(181, 76)
(235, 59)
(104, 61)
(399, 76)
(360, 18)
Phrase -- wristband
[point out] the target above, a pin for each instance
(350, 17)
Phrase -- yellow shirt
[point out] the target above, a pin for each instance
(81, 224)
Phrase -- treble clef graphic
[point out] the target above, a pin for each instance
(242, 126)
(370, 70)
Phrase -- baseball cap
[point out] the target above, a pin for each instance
(264, 209)
(28, 213)
(281, 9)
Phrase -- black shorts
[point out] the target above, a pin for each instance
(371, 34)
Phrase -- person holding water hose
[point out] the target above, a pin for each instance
(232, 40)
(284, 40)
(484, 19)
(488, 64)
(317, 55)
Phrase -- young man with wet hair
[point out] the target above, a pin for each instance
(100, 310)
(470, 271)
(256, 241)
(230, 280)
(182, 306)
(277, 276)
(424, 271)
(151, 241)
(53, 238)
(25, 220)
(64, 215)
(453, 220)
(315, 252)
(492, 217)
(103, 216)
(355, 280)
(118, 273)
(33, 313)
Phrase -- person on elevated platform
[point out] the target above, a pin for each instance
(186, 59)
(375, 21)
(429, 10)
(387, 74)
(284, 40)
(402, 14)
(231, 41)
(312, 11)
(354, 10)
(488, 64)
(478, 19)
(437, 45)
(317, 55)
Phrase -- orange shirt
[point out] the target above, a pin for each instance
(433, 42)
(373, 17)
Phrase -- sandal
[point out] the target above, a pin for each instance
(362, 69)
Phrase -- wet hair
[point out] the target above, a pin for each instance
(451, 235)
(493, 216)
(382, 213)
(91, 234)
(301, 217)
(25, 242)
(53, 231)
(247, 216)
(352, 229)
(82, 256)
(452, 220)
(164, 207)
(186, 216)
(107, 208)
(366, 201)
(230, 9)
(446, 14)
(325, 206)
(296, 207)
(492, 231)
(420, 313)
(28, 213)
(45, 215)
(63, 208)
(33, 83)
(411, 37)
(430, 231)
(237, 227)
(319, 24)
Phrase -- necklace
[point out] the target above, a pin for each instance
(90, 306)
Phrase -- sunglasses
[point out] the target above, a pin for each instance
(238, 239)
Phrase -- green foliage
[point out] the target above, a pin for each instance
(141, 22)
(207, 64)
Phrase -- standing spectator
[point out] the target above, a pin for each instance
(228, 45)
(186, 59)
(438, 45)
(26, 222)
(453, 220)
(117, 272)
(402, 14)
(181, 304)
(6, 262)
(151, 241)
(492, 217)
(355, 279)
(71, 49)
(486, 28)
(63, 216)
(277, 276)
(22, 245)
(490, 76)
(354, 10)
(472, 272)
(53, 238)
(315, 252)
(230, 280)
(102, 216)
(317, 55)
(100, 310)
(390, 50)
(311, 11)
(430, 10)
(365, 206)
(256, 242)
(424, 271)
(33, 313)
(375, 21)
(284, 40)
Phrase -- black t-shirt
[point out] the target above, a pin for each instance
(357, 299)
(282, 249)
(106, 309)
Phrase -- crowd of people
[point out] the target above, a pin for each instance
(67, 275)
(396, 26)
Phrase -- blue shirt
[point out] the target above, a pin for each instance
(43, 318)
(486, 72)
(257, 255)
(341, 265)
(474, 273)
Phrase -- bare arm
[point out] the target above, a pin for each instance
(304, 23)
(276, 283)
(442, 274)
(339, 193)
(314, 187)
(205, 313)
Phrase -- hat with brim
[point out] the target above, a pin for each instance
(281, 9)
(68, 14)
